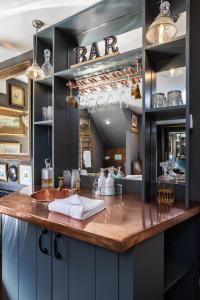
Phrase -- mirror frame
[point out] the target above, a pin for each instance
(9, 73)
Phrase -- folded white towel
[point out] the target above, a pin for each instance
(77, 207)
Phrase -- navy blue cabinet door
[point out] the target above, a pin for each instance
(27, 261)
(10, 248)
(43, 264)
(59, 267)
(81, 270)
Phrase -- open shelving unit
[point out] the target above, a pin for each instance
(180, 246)
(61, 39)
(158, 58)
(59, 139)
(180, 269)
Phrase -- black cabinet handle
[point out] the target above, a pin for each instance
(43, 249)
(56, 253)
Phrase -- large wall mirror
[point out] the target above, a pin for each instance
(110, 135)
(15, 113)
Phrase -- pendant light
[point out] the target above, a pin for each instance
(163, 28)
(34, 72)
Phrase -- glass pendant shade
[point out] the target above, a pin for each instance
(163, 29)
(34, 72)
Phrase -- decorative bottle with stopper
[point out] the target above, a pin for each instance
(166, 184)
(47, 67)
(47, 174)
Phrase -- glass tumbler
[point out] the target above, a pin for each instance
(158, 100)
(49, 113)
(174, 98)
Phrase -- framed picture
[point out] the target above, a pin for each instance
(134, 124)
(25, 174)
(10, 148)
(16, 95)
(134, 121)
(3, 172)
(11, 122)
(84, 126)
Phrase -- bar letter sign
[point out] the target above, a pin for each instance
(110, 49)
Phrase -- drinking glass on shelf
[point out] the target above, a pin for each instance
(75, 180)
(158, 100)
(49, 113)
(174, 98)
(44, 113)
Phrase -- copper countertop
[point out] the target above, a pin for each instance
(124, 223)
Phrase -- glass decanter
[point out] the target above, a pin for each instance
(47, 67)
(166, 184)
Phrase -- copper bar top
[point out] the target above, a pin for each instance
(124, 223)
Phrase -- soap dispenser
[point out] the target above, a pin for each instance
(101, 180)
(110, 182)
(47, 174)
(119, 174)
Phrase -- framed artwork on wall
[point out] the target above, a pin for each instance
(134, 124)
(25, 174)
(10, 148)
(16, 95)
(11, 122)
(3, 172)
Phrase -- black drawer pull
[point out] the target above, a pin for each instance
(43, 249)
(56, 253)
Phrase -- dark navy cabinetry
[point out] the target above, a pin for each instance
(38, 264)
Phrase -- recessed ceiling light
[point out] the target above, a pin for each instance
(107, 122)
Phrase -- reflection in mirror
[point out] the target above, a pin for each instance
(15, 116)
(110, 135)
(174, 148)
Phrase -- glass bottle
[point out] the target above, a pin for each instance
(101, 180)
(75, 180)
(166, 185)
(47, 67)
(110, 183)
(47, 174)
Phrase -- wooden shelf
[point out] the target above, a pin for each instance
(173, 112)
(174, 273)
(44, 123)
(108, 64)
(166, 50)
